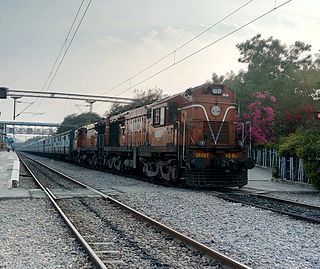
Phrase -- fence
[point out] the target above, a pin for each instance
(285, 168)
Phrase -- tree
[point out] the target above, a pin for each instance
(29, 141)
(218, 79)
(141, 98)
(75, 121)
(277, 68)
(290, 73)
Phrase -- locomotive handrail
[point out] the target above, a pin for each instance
(184, 141)
(242, 131)
(178, 135)
(215, 139)
(204, 110)
(250, 138)
(245, 135)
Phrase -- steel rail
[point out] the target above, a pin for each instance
(307, 206)
(94, 258)
(290, 214)
(225, 261)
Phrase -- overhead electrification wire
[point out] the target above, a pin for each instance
(69, 45)
(54, 70)
(63, 46)
(178, 48)
(23, 110)
(205, 47)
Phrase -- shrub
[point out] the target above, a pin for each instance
(305, 145)
(288, 146)
(310, 153)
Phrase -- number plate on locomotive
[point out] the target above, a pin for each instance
(202, 154)
(232, 155)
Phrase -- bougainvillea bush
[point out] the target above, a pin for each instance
(261, 115)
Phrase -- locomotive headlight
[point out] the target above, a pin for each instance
(215, 111)
(201, 143)
(216, 91)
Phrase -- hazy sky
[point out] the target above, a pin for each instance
(119, 38)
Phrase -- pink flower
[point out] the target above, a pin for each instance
(261, 117)
(269, 113)
(252, 106)
(261, 95)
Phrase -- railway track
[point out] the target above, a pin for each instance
(106, 238)
(295, 210)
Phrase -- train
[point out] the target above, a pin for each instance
(190, 138)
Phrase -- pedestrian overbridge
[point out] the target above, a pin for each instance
(27, 128)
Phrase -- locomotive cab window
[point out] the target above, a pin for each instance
(159, 116)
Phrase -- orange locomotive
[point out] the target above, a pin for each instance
(189, 137)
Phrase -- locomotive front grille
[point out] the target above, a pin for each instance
(219, 129)
(216, 178)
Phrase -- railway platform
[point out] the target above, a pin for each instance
(9, 176)
(260, 180)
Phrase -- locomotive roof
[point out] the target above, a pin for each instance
(183, 93)
(166, 99)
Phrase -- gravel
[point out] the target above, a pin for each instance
(256, 237)
(50, 179)
(25, 179)
(33, 236)
(136, 244)
(306, 198)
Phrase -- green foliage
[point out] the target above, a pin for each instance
(33, 139)
(288, 146)
(277, 68)
(304, 144)
(117, 108)
(29, 141)
(312, 172)
(310, 153)
(310, 145)
(288, 72)
(141, 98)
(218, 79)
(74, 121)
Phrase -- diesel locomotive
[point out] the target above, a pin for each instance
(191, 137)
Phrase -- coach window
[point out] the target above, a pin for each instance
(162, 115)
(159, 116)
